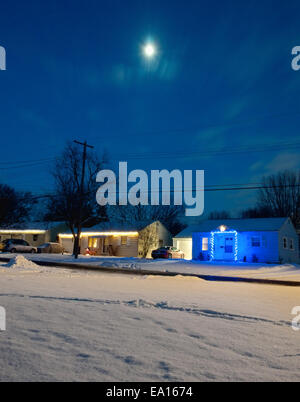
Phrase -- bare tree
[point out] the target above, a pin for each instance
(169, 215)
(66, 204)
(256, 212)
(15, 206)
(219, 215)
(147, 240)
(280, 195)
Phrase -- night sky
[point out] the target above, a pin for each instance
(220, 95)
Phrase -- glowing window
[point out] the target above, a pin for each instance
(124, 240)
(93, 243)
(204, 243)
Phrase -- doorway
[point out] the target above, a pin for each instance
(224, 246)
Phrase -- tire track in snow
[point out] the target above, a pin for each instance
(163, 305)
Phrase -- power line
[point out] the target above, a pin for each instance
(216, 151)
(178, 154)
(215, 188)
(24, 166)
(27, 161)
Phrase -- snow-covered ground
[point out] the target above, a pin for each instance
(70, 325)
(261, 271)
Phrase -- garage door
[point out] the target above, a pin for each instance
(184, 245)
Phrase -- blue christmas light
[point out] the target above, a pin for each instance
(212, 242)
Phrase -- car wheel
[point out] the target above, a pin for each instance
(32, 251)
(13, 250)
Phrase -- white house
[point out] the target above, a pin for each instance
(35, 233)
(268, 240)
(120, 239)
(184, 241)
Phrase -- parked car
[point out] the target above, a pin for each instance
(17, 246)
(167, 252)
(53, 248)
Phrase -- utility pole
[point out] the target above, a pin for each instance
(81, 193)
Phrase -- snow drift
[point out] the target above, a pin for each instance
(20, 262)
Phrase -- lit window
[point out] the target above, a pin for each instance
(124, 240)
(291, 244)
(285, 243)
(93, 243)
(255, 241)
(204, 243)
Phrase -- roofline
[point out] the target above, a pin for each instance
(235, 219)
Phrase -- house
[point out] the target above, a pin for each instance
(268, 240)
(120, 239)
(35, 233)
(184, 241)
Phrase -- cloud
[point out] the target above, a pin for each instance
(287, 160)
(282, 161)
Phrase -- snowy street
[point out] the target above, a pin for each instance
(287, 272)
(68, 325)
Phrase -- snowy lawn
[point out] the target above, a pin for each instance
(261, 271)
(69, 325)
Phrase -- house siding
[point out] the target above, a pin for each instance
(161, 237)
(127, 250)
(287, 254)
(266, 252)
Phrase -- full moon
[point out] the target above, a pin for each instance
(149, 50)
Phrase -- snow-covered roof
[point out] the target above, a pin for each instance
(32, 226)
(241, 225)
(118, 227)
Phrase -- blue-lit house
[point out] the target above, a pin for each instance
(267, 240)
